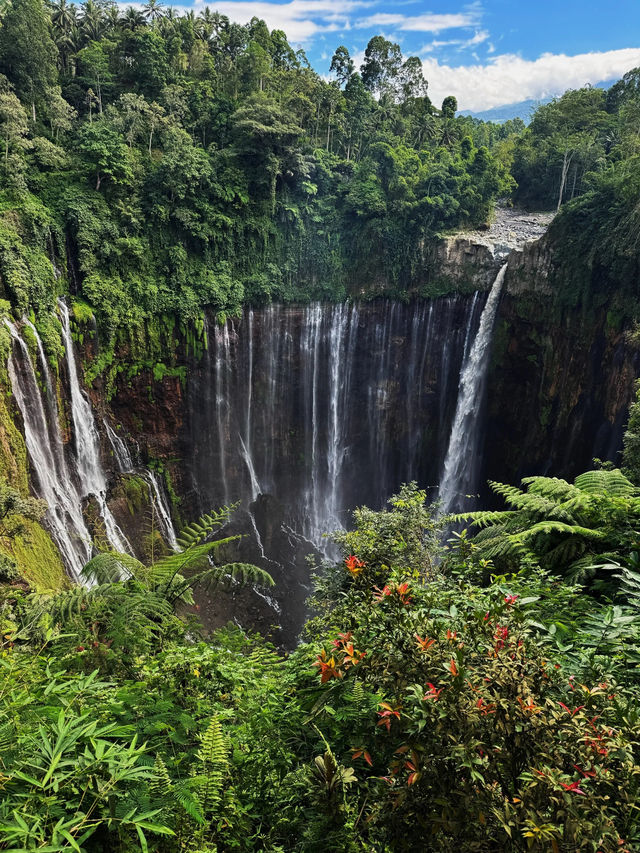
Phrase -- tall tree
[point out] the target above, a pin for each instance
(28, 54)
(381, 67)
(342, 65)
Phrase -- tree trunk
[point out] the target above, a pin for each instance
(98, 180)
(566, 162)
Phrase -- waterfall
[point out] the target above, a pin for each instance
(87, 443)
(326, 407)
(161, 508)
(121, 453)
(53, 482)
(157, 494)
(461, 460)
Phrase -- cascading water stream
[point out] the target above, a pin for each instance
(52, 480)
(121, 453)
(461, 460)
(87, 443)
(161, 507)
(157, 494)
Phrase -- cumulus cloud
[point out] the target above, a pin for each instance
(508, 78)
(300, 19)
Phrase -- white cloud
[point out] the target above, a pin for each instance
(419, 23)
(300, 19)
(460, 44)
(508, 78)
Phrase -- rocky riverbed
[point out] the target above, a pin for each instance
(510, 229)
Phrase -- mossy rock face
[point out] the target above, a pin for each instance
(38, 560)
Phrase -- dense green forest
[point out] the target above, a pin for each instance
(164, 162)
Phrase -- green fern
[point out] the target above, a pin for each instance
(111, 567)
(558, 526)
(201, 529)
(213, 756)
(601, 481)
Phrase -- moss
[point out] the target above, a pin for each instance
(82, 313)
(135, 491)
(38, 559)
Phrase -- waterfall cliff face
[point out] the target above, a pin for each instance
(462, 461)
(301, 413)
(67, 476)
(53, 479)
(327, 406)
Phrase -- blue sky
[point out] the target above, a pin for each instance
(487, 53)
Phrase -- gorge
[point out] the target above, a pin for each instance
(302, 413)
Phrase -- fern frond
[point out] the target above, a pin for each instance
(236, 573)
(214, 765)
(199, 530)
(194, 558)
(111, 567)
(535, 503)
(483, 518)
(601, 481)
(550, 487)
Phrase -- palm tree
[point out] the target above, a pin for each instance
(63, 16)
(132, 19)
(112, 17)
(92, 20)
(64, 21)
(153, 10)
(205, 24)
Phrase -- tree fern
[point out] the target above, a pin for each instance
(612, 482)
(111, 567)
(559, 526)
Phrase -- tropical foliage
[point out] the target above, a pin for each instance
(424, 710)
(167, 162)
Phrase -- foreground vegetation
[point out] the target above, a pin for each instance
(434, 703)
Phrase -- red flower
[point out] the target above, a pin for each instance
(432, 693)
(451, 635)
(354, 565)
(511, 599)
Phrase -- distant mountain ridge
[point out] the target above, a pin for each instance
(521, 109)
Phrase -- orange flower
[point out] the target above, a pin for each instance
(354, 565)
(453, 667)
(425, 644)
